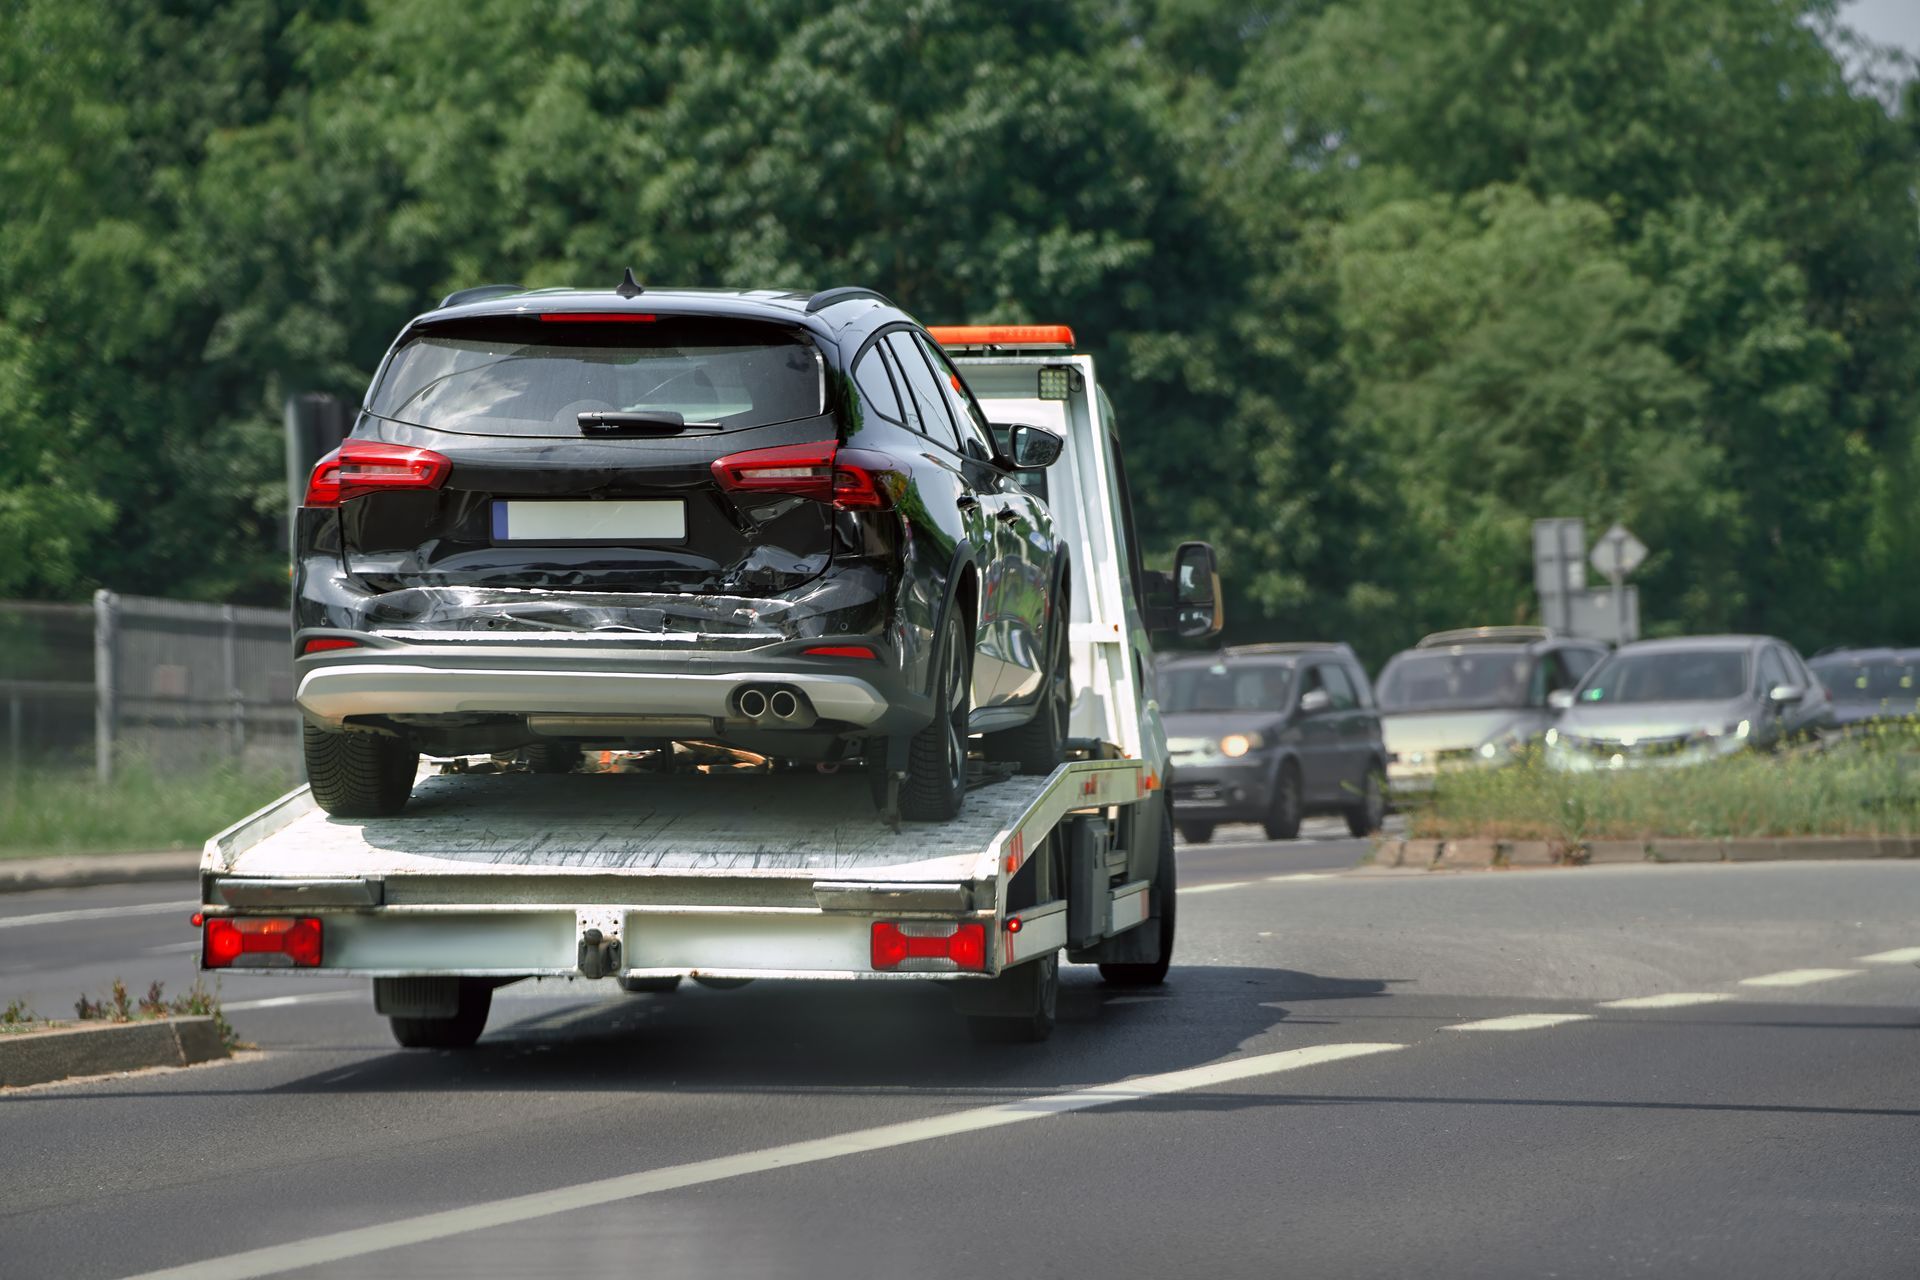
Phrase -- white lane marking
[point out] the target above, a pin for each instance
(173, 948)
(279, 1002)
(1304, 875)
(1521, 1022)
(340, 1245)
(99, 913)
(1904, 955)
(1214, 888)
(1671, 1000)
(1798, 977)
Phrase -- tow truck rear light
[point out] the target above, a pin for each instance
(964, 946)
(1033, 337)
(360, 467)
(850, 479)
(325, 644)
(263, 941)
(839, 651)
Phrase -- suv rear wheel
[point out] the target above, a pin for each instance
(1365, 817)
(937, 755)
(358, 775)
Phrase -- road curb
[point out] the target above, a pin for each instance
(101, 1048)
(1487, 855)
(83, 871)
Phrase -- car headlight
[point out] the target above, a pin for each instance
(1235, 745)
(1553, 737)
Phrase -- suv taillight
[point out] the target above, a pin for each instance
(360, 467)
(851, 479)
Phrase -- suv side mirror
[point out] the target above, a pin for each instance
(1314, 701)
(1560, 699)
(1185, 603)
(1027, 447)
(1782, 694)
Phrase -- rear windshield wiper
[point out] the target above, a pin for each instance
(658, 422)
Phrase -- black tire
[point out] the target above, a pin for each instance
(650, 986)
(1037, 746)
(1166, 896)
(937, 756)
(457, 1032)
(358, 775)
(1196, 832)
(551, 757)
(1283, 813)
(1365, 818)
(1041, 980)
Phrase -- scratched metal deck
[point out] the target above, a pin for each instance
(515, 823)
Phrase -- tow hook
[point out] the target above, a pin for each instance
(600, 945)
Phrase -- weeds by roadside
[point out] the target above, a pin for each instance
(67, 811)
(1866, 785)
(118, 1004)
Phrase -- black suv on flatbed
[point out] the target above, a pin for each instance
(774, 521)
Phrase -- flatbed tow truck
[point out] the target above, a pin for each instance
(712, 874)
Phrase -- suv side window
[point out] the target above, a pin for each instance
(876, 384)
(935, 420)
(1773, 669)
(972, 422)
(1339, 688)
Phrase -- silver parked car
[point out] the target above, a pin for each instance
(1679, 702)
(1473, 698)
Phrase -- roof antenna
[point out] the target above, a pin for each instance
(629, 287)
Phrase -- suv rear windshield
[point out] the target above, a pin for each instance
(1869, 681)
(1474, 679)
(522, 377)
(1241, 686)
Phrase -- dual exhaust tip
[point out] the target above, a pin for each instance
(774, 706)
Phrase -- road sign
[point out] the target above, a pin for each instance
(1618, 553)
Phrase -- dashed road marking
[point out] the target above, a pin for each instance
(1901, 955)
(100, 913)
(1521, 1022)
(341, 1245)
(1304, 875)
(1215, 888)
(1670, 1000)
(1798, 977)
(278, 1002)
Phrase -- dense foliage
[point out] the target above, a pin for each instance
(1376, 282)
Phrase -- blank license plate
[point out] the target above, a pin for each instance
(615, 522)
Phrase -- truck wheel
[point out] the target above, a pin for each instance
(358, 775)
(1037, 746)
(551, 757)
(1283, 815)
(1166, 899)
(937, 756)
(650, 986)
(1364, 819)
(1035, 988)
(456, 1032)
(1196, 832)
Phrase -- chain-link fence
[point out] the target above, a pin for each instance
(180, 685)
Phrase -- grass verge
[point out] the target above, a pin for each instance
(1859, 788)
(50, 813)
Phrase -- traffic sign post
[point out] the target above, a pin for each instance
(1617, 554)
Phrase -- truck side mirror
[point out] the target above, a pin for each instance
(1187, 602)
(1782, 694)
(1314, 701)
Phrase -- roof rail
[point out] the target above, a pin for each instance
(1485, 635)
(1292, 646)
(479, 293)
(846, 293)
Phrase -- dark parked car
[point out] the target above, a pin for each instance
(1870, 684)
(1473, 699)
(627, 517)
(1269, 733)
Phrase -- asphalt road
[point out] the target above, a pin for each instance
(1356, 1074)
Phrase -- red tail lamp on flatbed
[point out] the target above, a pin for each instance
(261, 942)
